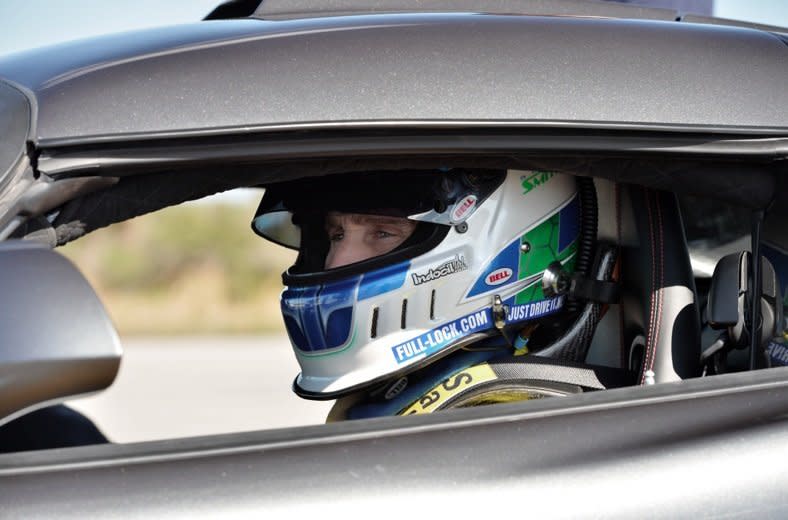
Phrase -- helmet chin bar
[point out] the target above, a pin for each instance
(389, 379)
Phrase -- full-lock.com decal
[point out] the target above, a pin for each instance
(436, 339)
(439, 337)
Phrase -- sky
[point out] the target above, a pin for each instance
(770, 12)
(32, 23)
(62, 20)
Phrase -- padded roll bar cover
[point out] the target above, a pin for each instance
(727, 302)
(726, 283)
(56, 339)
(659, 280)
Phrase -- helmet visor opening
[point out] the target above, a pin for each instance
(317, 215)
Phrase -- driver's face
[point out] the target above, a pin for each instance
(354, 237)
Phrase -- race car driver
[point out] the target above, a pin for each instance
(415, 291)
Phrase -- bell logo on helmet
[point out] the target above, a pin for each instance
(463, 209)
(498, 276)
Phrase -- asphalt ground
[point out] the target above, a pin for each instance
(182, 387)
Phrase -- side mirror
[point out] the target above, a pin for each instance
(730, 298)
(56, 339)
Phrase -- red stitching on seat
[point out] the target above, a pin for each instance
(652, 306)
(622, 353)
(660, 287)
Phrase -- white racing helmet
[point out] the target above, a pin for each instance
(474, 267)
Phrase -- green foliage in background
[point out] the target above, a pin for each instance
(149, 254)
(193, 268)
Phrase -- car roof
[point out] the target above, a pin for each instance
(117, 121)
(421, 68)
(290, 9)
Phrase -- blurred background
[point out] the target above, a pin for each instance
(196, 268)
(192, 291)
(194, 294)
